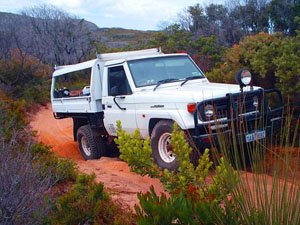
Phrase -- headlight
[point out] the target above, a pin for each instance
(209, 111)
(243, 77)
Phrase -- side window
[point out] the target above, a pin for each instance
(73, 84)
(117, 82)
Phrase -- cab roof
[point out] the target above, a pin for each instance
(129, 54)
(111, 58)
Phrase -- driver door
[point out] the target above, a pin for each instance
(119, 103)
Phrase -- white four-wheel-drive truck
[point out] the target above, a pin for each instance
(150, 90)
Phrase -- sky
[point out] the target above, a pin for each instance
(129, 14)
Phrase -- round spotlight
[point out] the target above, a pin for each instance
(209, 111)
(243, 77)
(255, 101)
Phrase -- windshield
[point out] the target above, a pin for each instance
(146, 72)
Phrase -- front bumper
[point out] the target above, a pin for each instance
(236, 117)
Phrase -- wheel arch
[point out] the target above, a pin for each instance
(154, 121)
(77, 123)
(95, 120)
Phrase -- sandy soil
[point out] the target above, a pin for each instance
(114, 173)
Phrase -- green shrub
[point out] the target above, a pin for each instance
(29, 174)
(192, 197)
(36, 91)
(180, 208)
(272, 59)
(12, 116)
(61, 170)
(87, 203)
(136, 152)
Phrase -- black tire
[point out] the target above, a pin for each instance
(160, 144)
(196, 153)
(113, 150)
(91, 144)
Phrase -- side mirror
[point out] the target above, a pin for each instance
(243, 78)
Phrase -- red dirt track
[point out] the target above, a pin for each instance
(114, 173)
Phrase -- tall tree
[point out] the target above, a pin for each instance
(284, 14)
(229, 23)
(251, 15)
(59, 37)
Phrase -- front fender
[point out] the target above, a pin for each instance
(145, 120)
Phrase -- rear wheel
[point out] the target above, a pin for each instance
(91, 144)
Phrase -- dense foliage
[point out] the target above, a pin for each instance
(87, 203)
(23, 186)
(12, 116)
(234, 20)
(194, 193)
(272, 59)
(24, 82)
(206, 51)
(24, 77)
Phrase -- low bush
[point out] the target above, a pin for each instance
(87, 203)
(136, 152)
(12, 116)
(23, 186)
(194, 193)
(61, 170)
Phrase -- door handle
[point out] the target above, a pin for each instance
(121, 97)
(109, 106)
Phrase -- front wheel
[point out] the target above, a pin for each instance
(91, 144)
(162, 150)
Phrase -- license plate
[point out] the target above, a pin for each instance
(257, 135)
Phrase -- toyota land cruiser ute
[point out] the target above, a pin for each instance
(150, 90)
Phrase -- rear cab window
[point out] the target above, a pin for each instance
(73, 84)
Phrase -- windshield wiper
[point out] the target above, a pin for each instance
(164, 81)
(190, 78)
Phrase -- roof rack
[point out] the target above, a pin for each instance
(124, 55)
